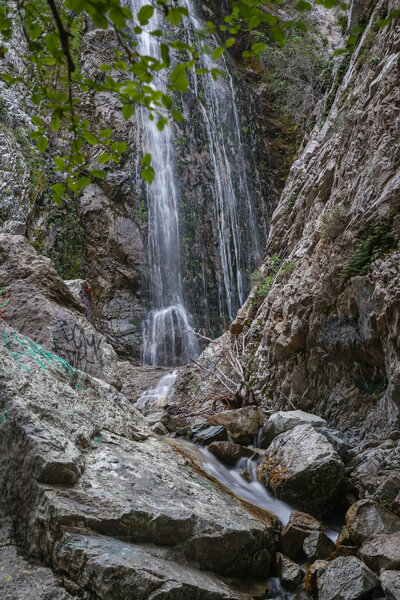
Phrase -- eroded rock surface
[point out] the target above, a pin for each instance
(88, 487)
(345, 578)
(302, 467)
(367, 519)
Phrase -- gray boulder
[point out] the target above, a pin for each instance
(229, 452)
(204, 434)
(80, 461)
(302, 467)
(295, 532)
(383, 552)
(289, 572)
(111, 568)
(390, 582)
(346, 578)
(284, 421)
(317, 545)
(242, 424)
(367, 519)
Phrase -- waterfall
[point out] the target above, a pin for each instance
(168, 337)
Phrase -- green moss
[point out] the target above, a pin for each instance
(67, 250)
(373, 241)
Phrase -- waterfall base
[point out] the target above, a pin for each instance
(168, 337)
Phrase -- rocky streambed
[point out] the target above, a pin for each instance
(102, 501)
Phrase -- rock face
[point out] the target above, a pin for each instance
(323, 339)
(302, 467)
(345, 578)
(97, 497)
(44, 309)
(367, 519)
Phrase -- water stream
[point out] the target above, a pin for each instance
(168, 337)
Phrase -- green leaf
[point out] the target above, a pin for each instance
(42, 143)
(177, 116)
(105, 133)
(128, 110)
(59, 188)
(167, 101)
(145, 14)
(98, 173)
(229, 42)
(175, 15)
(103, 158)
(258, 47)
(146, 160)
(55, 124)
(217, 52)
(178, 78)
(302, 5)
(148, 174)
(60, 163)
(90, 138)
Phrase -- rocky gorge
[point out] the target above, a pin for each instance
(269, 466)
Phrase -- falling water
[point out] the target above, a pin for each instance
(233, 205)
(168, 338)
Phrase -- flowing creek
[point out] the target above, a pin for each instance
(241, 479)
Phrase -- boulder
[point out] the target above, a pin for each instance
(127, 485)
(317, 545)
(310, 582)
(367, 519)
(284, 421)
(390, 582)
(302, 468)
(299, 526)
(289, 572)
(229, 452)
(204, 434)
(345, 578)
(242, 424)
(382, 552)
(44, 309)
(111, 568)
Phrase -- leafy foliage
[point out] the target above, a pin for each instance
(372, 241)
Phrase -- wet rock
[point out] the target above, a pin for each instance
(345, 579)
(241, 424)
(299, 526)
(366, 519)
(204, 433)
(24, 581)
(132, 487)
(388, 490)
(317, 545)
(344, 538)
(159, 428)
(302, 468)
(229, 452)
(157, 417)
(286, 420)
(390, 582)
(312, 575)
(335, 438)
(382, 552)
(114, 569)
(289, 573)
